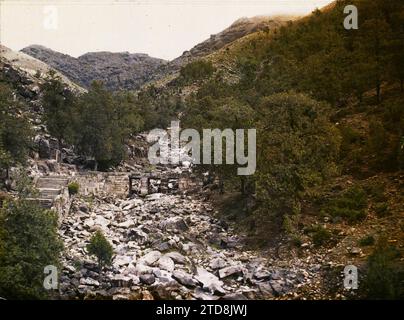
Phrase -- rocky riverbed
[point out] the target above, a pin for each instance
(166, 247)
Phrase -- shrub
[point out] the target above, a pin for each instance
(296, 240)
(383, 279)
(319, 235)
(351, 205)
(349, 135)
(101, 248)
(28, 242)
(366, 241)
(197, 70)
(73, 188)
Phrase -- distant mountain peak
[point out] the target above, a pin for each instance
(118, 70)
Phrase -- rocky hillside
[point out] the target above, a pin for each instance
(120, 70)
(238, 30)
(124, 70)
(19, 68)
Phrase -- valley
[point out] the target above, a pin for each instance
(79, 190)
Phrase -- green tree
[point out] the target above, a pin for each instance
(97, 130)
(15, 132)
(127, 113)
(58, 103)
(28, 243)
(101, 248)
(298, 147)
(221, 113)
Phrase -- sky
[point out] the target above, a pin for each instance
(160, 28)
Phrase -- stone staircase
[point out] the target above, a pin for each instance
(49, 188)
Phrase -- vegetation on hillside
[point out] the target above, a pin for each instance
(15, 131)
(305, 136)
(97, 123)
(28, 243)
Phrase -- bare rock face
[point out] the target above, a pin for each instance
(120, 70)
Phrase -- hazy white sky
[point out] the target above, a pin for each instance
(160, 28)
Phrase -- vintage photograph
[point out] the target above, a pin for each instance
(204, 150)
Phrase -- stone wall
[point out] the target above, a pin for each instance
(108, 183)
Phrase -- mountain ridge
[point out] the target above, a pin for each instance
(125, 70)
(118, 70)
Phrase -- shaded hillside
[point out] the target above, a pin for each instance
(121, 70)
(327, 104)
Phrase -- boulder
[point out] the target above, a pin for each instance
(150, 258)
(126, 224)
(120, 280)
(138, 235)
(230, 271)
(166, 263)
(89, 282)
(176, 257)
(209, 281)
(217, 263)
(101, 221)
(184, 278)
(148, 279)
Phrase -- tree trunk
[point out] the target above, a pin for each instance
(402, 85)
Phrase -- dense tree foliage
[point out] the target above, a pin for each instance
(15, 132)
(158, 107)
(58, 103)
(298, 151)
(330, 69)
(28, 243)
(97, 123)
(319, 56)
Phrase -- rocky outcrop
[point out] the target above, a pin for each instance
(120, 70)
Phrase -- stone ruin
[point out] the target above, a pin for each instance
(168, 183)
